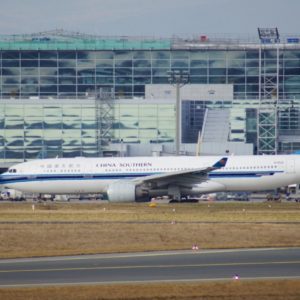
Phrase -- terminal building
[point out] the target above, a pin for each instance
(67, 94)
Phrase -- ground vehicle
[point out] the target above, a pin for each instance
(293, 193)
(11, 194)
(241, 196)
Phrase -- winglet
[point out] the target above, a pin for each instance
(220, 163)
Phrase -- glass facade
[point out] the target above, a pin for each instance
(36, 122)
(193, 113)
(30, 130)
(237, 124)
(144, 123)
(78, 74)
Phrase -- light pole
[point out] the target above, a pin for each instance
(178, 78)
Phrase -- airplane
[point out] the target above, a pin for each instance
(127, 179)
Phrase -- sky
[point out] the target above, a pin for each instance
(158, 18)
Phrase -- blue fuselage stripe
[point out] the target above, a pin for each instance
(6, 179)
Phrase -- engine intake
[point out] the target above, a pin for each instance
(126, 191)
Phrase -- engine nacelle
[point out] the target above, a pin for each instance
(125, 191)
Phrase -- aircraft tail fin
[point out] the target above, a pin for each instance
(220, 163)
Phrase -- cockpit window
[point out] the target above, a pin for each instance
(12, 171)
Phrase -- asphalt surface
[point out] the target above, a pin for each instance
(152, 267)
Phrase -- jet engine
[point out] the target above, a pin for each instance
(126, 191)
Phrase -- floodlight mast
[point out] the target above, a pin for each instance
(178, 78)
(267, 119)
(268, 35)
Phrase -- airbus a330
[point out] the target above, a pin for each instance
(126, 179)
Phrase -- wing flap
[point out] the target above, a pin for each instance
(184, 177)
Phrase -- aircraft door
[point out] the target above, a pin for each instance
(290, 164)
(88, 170)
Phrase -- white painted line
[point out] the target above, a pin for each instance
(138, 254)
(146, 281)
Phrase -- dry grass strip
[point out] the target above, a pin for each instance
(31, 240)
(245, 290)
(205, 212)
(138, 227)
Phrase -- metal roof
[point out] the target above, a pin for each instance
(65, 40)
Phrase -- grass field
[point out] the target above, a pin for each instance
(203, 212)
(242, 290)
(82, 228)
(65, 229)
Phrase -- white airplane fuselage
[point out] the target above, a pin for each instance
(95, 175)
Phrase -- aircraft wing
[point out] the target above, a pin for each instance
(183, 178)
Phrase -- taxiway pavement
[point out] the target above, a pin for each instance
(152, 267)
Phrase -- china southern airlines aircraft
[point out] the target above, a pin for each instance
(126, 179)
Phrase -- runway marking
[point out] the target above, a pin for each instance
(152, 266)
